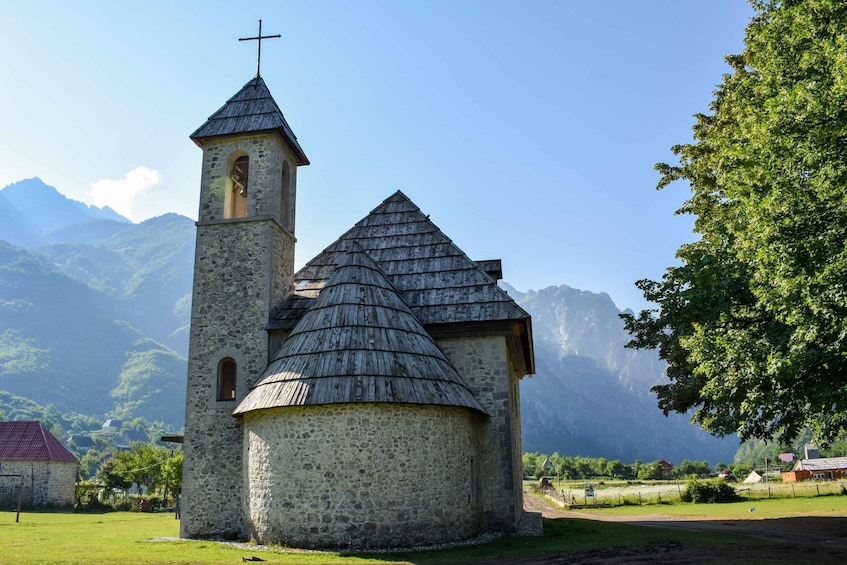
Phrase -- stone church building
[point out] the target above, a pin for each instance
(371, 399)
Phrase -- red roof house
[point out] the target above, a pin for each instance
(33, 459)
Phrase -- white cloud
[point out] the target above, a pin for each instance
(121, 195)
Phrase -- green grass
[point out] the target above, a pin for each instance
(123, 537)
(765, 508)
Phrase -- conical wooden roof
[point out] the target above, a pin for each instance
(252, 109)
(435, 278)
(359, 342)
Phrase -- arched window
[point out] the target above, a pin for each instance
(235, 200)
(227, 378)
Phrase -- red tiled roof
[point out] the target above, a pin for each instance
(30, 441)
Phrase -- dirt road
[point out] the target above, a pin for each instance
(807, 540)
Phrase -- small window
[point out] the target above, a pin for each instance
(227, 374)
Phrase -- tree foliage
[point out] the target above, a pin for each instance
(753, 322)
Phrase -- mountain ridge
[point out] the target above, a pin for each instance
(34, 209)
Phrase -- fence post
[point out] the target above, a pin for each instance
(639, 498)
(793, 494)
(818, 489)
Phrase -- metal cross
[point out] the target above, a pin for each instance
(259, 38)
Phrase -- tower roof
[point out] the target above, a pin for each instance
(439, 283)
(252, 109)
(359, 343)
(31, 441)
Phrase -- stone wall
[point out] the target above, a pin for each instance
(361, 475)
(485, 367)
(242, 268)
(266, 182)
(45, 483)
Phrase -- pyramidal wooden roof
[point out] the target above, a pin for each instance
(359, 343)
(251, 109)
(434, 277)
(31, 441)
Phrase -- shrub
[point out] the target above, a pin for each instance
(708, 492)
(125, 505)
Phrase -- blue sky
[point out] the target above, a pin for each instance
(528, 131)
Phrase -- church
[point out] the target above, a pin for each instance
(371, 399)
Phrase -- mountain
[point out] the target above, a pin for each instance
(146, 267)
(590, 395)
(35, 213)
(94, 309)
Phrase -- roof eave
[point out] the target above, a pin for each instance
(302, 160)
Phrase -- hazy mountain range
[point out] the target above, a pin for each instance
(94, 314)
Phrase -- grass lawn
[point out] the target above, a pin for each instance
(764, 508)
(122, 537)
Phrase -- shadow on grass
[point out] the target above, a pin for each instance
(564, 536)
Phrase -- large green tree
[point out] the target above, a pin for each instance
(752, 323)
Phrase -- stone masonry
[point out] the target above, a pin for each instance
(45, 483)
(484, 365)
(361, 475)
(243, 268)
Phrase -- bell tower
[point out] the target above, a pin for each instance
(243, 269)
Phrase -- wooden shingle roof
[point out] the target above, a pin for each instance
(359, 343)
(251, 109)
(31, 441)
(435, 278)
(821, 464)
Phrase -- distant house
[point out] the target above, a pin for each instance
(111, 426)
(728, 476)
(820, 469)
(787, 457)
(81, 441)
(32, 457)
(665, 466)
(811, 451)
(124, 441)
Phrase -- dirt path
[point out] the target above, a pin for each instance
(808, 540)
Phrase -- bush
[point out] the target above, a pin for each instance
(125, 505)
(708, 492)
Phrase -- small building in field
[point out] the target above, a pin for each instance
(820, 469)
(728, 476)
(666, 467)
(787, 457)
(33, 459)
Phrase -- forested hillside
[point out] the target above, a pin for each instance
(96, 324)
